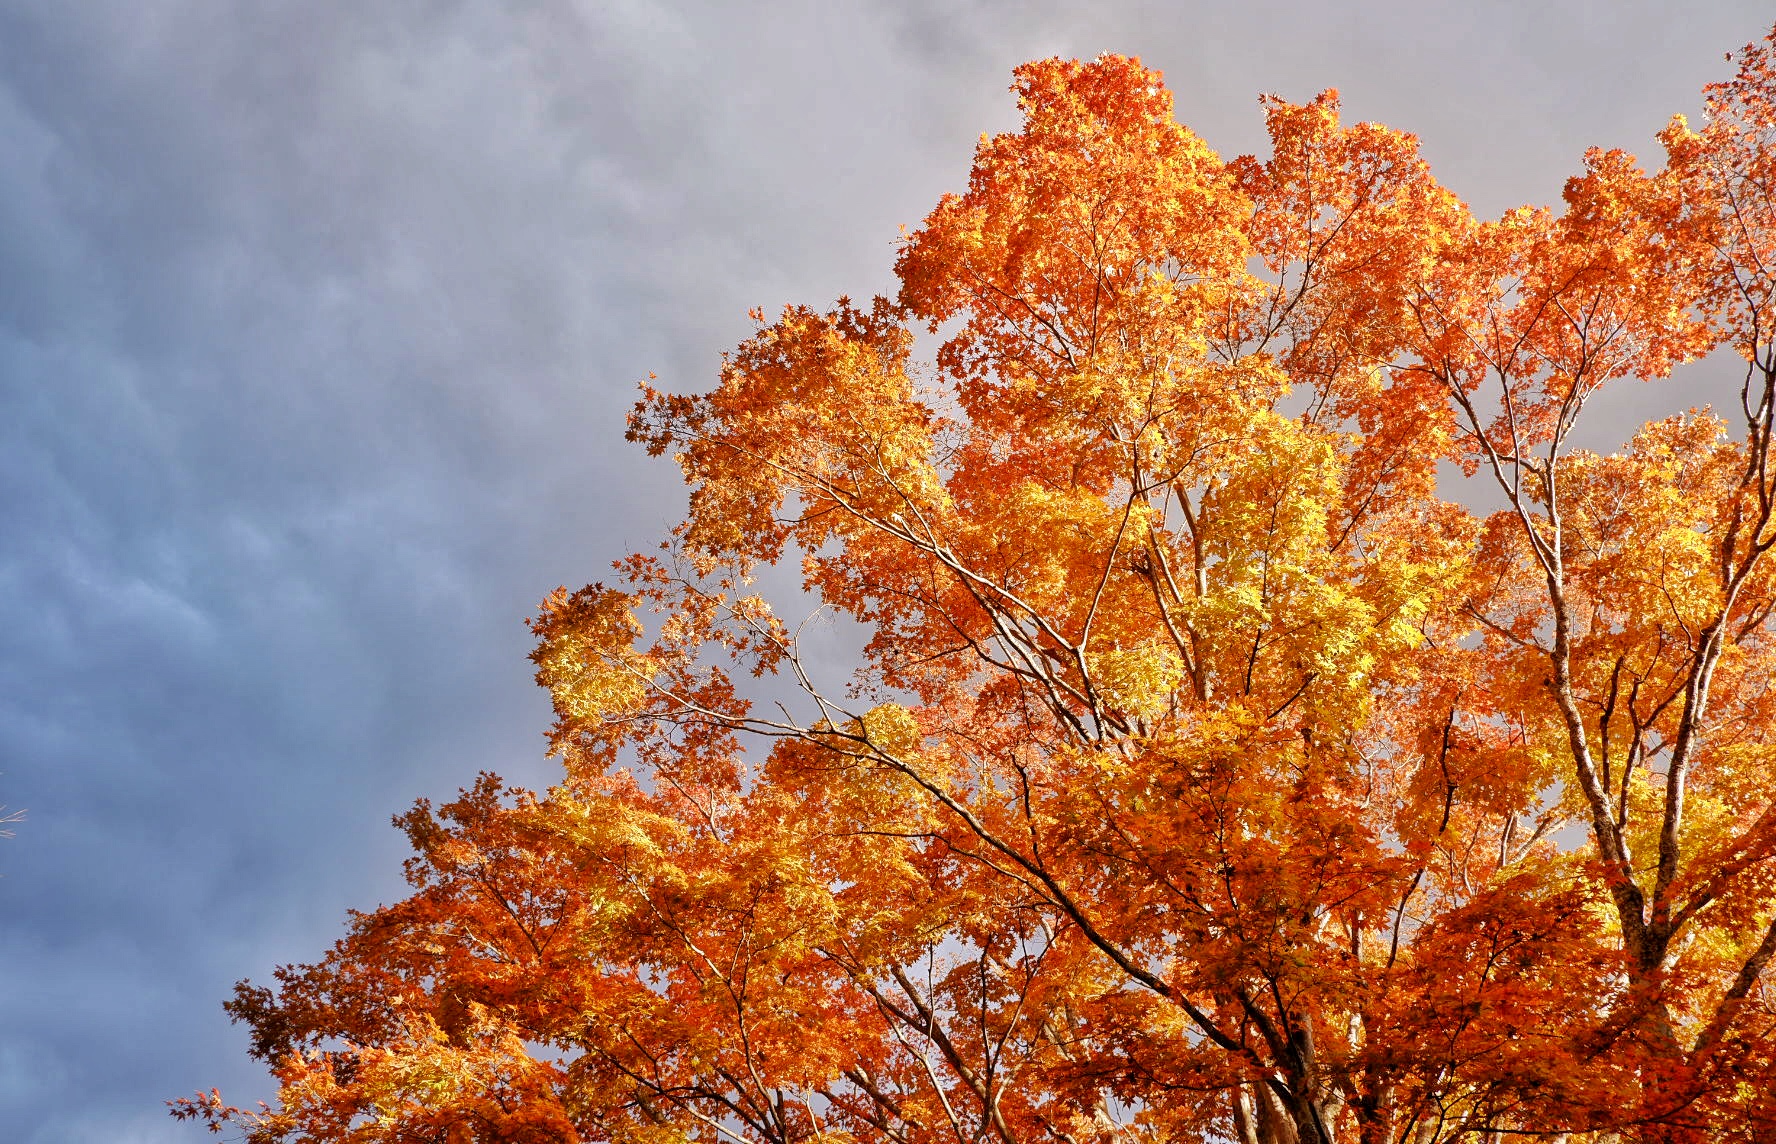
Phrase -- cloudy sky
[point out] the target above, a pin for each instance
(317, 325)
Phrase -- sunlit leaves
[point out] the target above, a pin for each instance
(1208, 774)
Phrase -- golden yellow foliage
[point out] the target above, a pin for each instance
(1209, 774)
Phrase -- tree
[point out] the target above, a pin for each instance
(1210, 776)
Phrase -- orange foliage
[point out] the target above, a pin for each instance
(1208, 776)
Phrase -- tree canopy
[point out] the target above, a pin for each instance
(1210, 774)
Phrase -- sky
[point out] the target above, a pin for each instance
(318, 325)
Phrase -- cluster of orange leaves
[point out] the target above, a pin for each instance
(1209, 775)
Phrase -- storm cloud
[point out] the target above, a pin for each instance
(318, 323)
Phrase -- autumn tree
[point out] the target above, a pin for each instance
(1210, 774)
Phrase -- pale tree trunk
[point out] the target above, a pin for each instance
(1245, 1125)
(1259, 1117)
